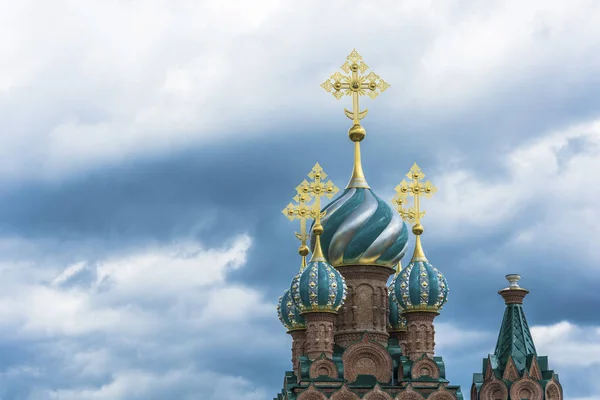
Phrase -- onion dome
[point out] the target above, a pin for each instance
(318, 288)
(361, 229)
(420, 286)
(288, 313)
(395, 321)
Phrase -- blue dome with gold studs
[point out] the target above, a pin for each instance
(361, 229)
(420, 287)
(395, 321)
(288, 313)
(318, 288)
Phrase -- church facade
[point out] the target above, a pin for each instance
(361, 324)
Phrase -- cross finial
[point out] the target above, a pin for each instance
(355, 84)
(416, 188)
(300, 210)
(317, 186)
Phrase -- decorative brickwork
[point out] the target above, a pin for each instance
(344, 394)
(312, 394)
(323, 367)
(425, 367)
(377, 394)
(526, 388)
(367, 358)
(420, 334)
(366, 306)
(319, 334)
(298, 347)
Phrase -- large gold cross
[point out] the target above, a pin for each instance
(414, 187)
(355, 84)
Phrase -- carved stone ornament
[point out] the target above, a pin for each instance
(312, 394)
(400, 372)
(424, 367)
(489, 371)
(441, 394)
(323, 366)
(377, 394)
(553, 391)
(344, 394)
(367, 358)
(473, 392)
(409, 394)
(493, 389)
(526, 388)
(510, 372)
(534, 370)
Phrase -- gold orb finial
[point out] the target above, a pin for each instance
(357, 133)
(417, 229)
(303, 250)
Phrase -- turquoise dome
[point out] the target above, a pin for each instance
(395, 321)
(288, 313)
(420, 287)
(318, 288)
(360, 228)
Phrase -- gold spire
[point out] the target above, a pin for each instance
(355, 85)
(416, 188)
(316, 188)
(300, 210)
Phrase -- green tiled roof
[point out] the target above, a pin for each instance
(515, 338)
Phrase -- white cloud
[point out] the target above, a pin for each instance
(85, 85)
(548, 176)
(450, 336)
(568, 345)
(170, 306)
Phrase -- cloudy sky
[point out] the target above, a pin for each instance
(148, 147)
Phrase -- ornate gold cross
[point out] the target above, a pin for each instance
(301, 210)
(416, 188)
(318, 186)
(355, 84)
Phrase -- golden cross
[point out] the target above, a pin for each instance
(317, 187)
(355, 84)
(300, 210)
(306, 191)
(416, 188)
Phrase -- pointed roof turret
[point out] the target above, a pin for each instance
(515, 338)
(515, 371)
